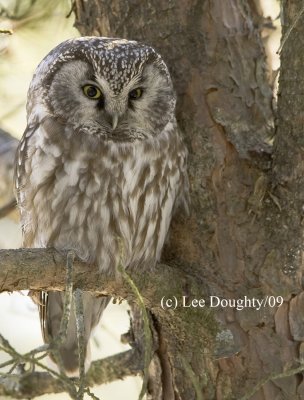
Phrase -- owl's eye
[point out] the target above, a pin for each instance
(92, 92)
(136, 93)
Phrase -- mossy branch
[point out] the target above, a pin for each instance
(44, 269)
(20, 383)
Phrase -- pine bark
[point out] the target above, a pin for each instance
(245, 235)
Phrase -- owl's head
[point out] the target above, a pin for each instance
(113, 88)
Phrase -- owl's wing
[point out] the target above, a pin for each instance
(183, 201)
(183, 196)
(20, 180)
(20, 175)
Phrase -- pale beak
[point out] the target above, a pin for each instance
(114, 121)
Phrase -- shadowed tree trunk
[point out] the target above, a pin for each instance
(245, 235)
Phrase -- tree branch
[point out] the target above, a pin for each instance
(115, 367)
(44, 269)
(38, 269)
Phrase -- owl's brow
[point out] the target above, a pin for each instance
(141, 80)
(137, 79)
(92, 77)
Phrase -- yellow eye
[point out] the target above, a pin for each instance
(136, 93)
(92, 92)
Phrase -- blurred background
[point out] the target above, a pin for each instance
(37, 26)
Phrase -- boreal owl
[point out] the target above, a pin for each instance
(101, 165)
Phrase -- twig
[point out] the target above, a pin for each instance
(271, 377)
(6, 364)
(287, 34)
(67, 299)
(73, 7)
(28, 357)
(6, 31)
(92, 395)
(18, 358)
(61, 338)
(78, 301)
(4, 343)
(115, 367)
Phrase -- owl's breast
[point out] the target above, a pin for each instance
(113, 206)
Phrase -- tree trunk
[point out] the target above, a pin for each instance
(244, 236)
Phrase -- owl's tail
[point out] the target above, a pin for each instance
(51, 311)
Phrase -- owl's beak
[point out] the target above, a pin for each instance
(114, 121)
(112, 117)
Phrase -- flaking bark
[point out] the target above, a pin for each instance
(245, 233)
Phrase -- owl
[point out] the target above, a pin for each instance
(101, 166)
